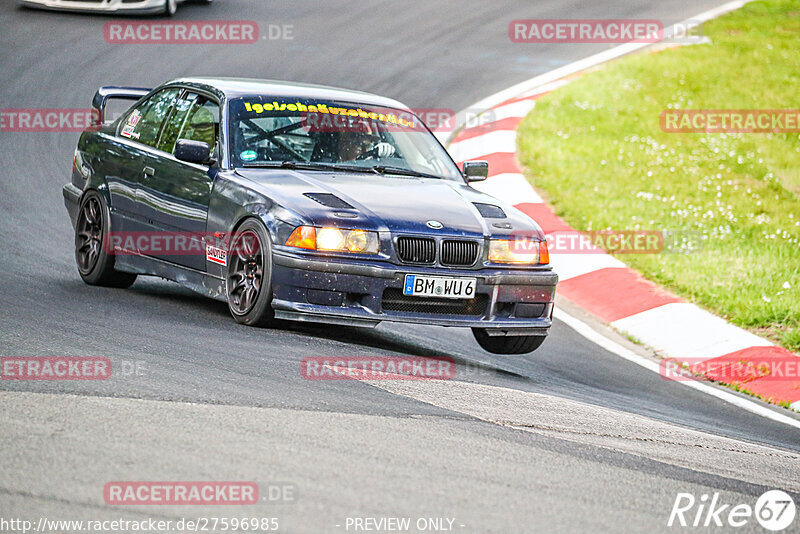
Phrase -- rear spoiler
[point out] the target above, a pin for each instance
(124, 93)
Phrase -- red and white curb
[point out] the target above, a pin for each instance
(598, 282)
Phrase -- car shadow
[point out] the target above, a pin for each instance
(172, 294)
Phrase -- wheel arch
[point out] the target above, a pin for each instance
(277, 228)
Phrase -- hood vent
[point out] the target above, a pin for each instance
(329, 200)
(490, 211)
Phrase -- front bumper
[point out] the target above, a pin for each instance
(364, 293)
(143, 7)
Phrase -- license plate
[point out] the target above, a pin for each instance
(442, 287)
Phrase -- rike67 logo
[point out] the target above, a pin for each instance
(774, 510)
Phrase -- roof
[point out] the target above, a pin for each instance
(239, 87)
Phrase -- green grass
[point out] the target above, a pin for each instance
(596, 150)
(739, 388)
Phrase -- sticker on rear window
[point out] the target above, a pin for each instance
(130, 125)
(133, 118)
(248, 155)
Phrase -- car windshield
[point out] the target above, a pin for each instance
(317, 134)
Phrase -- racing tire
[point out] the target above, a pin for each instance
(248, 281)
(95, 264)
(507, 344)
(170, 7)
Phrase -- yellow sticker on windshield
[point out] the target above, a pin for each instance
(388, 118)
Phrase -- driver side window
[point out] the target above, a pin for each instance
(195, 118)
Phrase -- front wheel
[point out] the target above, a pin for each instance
(507, 344)
(249, 280)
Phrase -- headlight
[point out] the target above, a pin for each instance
(520, 251)
(334, 240)
(330, 239)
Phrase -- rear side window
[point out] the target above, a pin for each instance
(143, 124)
(195, 118)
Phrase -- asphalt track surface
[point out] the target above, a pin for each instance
(569, 438)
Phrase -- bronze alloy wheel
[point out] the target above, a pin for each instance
(95, 262)
(246, 272)
(89, 235)
(249, 274)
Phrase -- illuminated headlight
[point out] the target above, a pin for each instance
(334, 240)
(330, 239)
(519, 251)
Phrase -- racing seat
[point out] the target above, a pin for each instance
(325, 148)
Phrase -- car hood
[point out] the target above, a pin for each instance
(394, 203)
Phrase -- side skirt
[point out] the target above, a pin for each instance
(197, 281)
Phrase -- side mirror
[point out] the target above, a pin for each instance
(192, 151)
(476, 171)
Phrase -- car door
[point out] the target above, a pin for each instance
(137, 135)
(175, 194)
(122, 156)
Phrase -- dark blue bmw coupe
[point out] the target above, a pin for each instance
(307, 203)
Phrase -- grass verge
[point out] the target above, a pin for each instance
(596, 150)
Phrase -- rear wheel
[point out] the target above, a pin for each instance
(95, 264)
(249, 280)
(507, 344)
